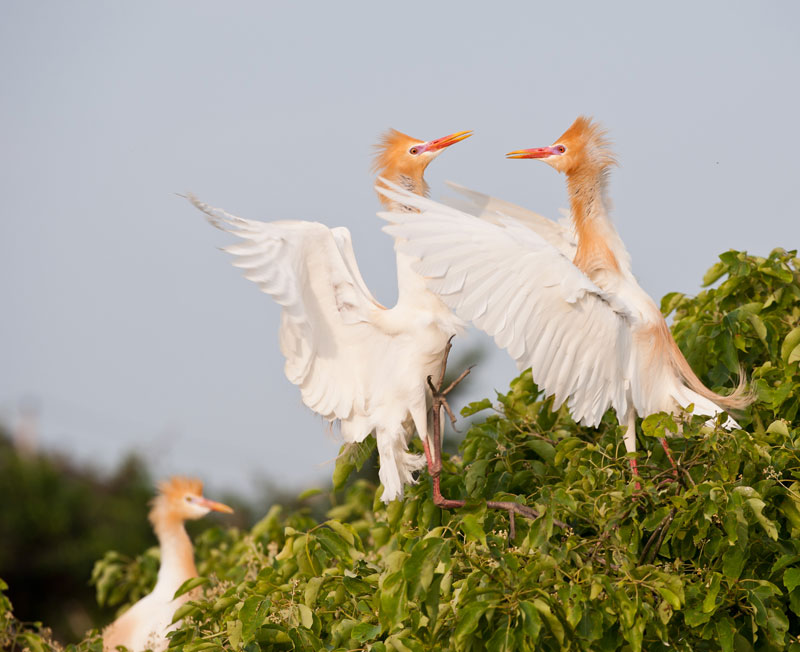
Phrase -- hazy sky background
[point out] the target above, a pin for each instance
(131, 331)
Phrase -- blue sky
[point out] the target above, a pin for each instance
(129, 328)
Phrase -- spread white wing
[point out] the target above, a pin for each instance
(311, 271)
(492, 209)
(512, 283)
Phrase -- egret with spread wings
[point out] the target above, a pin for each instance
(354, 360)
(562, 301)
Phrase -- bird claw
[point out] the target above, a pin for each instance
(434, 457)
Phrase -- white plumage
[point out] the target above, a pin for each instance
(355, 361)
(148, 622)
(532, 300)
(563, 302)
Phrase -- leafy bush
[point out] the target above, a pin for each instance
(57, 519)
(707, 560)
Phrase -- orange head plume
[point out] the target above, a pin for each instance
(181, 498)
(584, 145)
(403, 159)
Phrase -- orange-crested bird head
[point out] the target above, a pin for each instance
(182, 499)
(584, 147)
(403, 159)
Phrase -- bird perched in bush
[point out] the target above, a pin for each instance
(355, 361)
(590, 334)
(146, 623)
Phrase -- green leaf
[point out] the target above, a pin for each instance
(791, 578)
(309, 493)
(714, 273)
(344, 467)
(252, 615)
(670, 597)
(184, 610)
(306, 616)
(234, 631)
(418, 570)
(364, 632)
(790, 342)
(502, 640)
(725, 633)
(530, 621)
(733, 562)
(778, 427)
(710, 600)
(758, 326)
(542, 449)
(312, 590)
(556, 628)
(659, 425)
(467, 619)
(473, 529)
(757, 505)
(333, 543)
(475, 407)
(393, 601)
(352, 456)
(670, 301)
(189, 584)
(342, 530)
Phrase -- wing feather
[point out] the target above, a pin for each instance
(524, 292)
(311, 271)
(492, 209)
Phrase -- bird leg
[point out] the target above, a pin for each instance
(635, 472)
(630, 445)
(434, 457)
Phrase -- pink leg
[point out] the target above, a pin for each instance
(435, 457)
(635, 472)
(428, 455)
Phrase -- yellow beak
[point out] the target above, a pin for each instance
(446, 141)
(213, 505)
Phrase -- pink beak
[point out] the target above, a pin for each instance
(445, 141)
(536, 152)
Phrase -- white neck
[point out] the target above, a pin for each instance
(411, 287)
(177, 557)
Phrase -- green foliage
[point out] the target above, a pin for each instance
(707, 560)
(56, 520)
(18, 636)
(751, 320)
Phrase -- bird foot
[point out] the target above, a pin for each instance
(434, 457)
(512, 509)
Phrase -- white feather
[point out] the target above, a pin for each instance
(510, 272)
(353, 360)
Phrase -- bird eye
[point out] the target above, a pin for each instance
(414, 151)
(561, 149)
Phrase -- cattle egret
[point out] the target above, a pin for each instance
(354, 360)
(562, 301)
(146, 624)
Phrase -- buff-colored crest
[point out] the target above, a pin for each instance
(179, 486)
(587, 142)
(392, 150)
